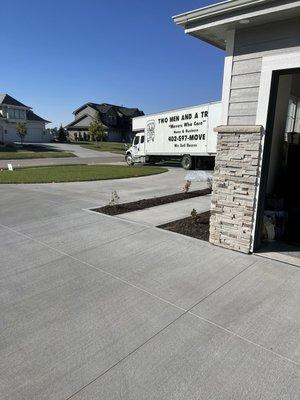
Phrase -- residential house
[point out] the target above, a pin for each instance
(116, 120)
(13, 111)
(256, 178)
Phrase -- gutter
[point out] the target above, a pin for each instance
(217, 9)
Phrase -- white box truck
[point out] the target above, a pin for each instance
(185, 134)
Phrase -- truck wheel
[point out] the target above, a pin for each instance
(129, 159)
(187, 162)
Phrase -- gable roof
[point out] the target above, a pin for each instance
(31, 116)
(76, 121)
(130, 112)
(6, 99)
(103, 108)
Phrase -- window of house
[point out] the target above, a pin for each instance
(112, 119)
(293, 116)
(15, 113)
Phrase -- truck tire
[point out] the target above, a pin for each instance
(129, 159)
(187, 162)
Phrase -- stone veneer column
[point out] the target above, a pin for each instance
(235, 185)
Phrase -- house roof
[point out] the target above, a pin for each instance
(212, 23)
(76, 121)
(105, 107)
(6, 99)
(130, 112)
(31, 116)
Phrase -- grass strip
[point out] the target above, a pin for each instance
(75, 173)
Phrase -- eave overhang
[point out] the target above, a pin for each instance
(212, 23)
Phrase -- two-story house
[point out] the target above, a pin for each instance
(11, 112)
(116, 120)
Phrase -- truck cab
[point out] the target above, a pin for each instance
(136, 152)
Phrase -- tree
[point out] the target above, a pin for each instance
(62, 134)
(96, 129)
(21, 131)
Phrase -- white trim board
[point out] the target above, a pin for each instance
(227, 75)
(269, 65)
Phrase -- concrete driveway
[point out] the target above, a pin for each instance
(96, 307)
(82, 156)
(81, 152)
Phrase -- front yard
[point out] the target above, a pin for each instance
(75, 173)
(27, 151)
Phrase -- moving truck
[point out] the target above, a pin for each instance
(185, 134)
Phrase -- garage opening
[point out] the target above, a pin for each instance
(279, 204)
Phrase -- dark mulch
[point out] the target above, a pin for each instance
(195, 227)
(147, 203)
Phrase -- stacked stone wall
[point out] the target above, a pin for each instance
(235, 186)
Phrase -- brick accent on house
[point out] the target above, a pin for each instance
(235, 185)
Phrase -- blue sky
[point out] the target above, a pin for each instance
(58, 55)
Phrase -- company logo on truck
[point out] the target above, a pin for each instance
(150, 131)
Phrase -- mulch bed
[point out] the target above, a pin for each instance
(196, 227)
(147, 203)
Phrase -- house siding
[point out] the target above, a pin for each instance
(35, 132)
(86, 110)
(250, 46)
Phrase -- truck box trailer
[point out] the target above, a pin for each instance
(186, 134)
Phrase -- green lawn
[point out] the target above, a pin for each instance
(74, 173)
(113, 147)
(30, 151)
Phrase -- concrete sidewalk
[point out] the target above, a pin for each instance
(165, 213)
(96, 307)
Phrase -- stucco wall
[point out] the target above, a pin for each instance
(250, 46)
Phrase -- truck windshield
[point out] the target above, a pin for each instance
(136, 140)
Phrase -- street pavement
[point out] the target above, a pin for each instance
(98, 307)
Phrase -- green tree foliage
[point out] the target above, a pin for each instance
(62, 134)
(21, 131)
(96, 129)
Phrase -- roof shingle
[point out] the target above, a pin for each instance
(10, 101)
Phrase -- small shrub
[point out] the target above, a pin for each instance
(10, 145)
(209, 182)
(194, 215)
(186, 186)
(114, 199)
